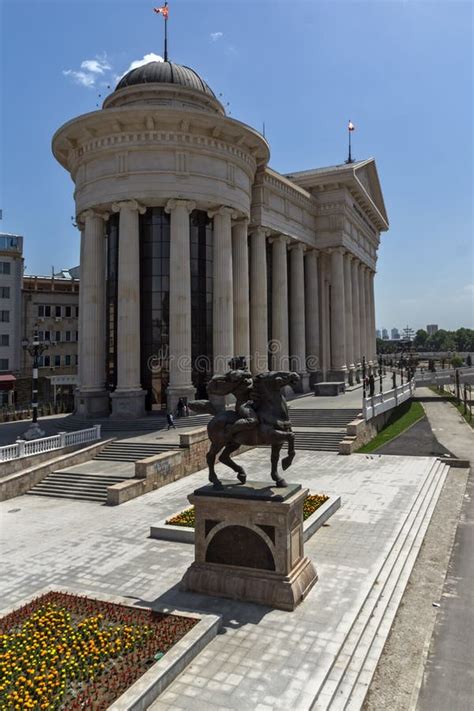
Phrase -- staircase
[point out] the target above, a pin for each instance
(320, 430)
(346, 682)
(120, 451)
(150, 423)
(70, 485)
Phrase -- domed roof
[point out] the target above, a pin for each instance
(165, 73)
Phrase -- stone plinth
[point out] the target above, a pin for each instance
(249, 544)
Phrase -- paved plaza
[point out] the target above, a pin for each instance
(264, 659)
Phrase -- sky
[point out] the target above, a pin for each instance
(401, 70)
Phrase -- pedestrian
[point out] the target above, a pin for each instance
(180, 407)
(169, 418)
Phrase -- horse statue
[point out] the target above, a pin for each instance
(260, 417)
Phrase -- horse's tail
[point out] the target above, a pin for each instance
(202, 407)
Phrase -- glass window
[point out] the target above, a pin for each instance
(5, 316)
(47, 335)
(3, 363)
(68, 335)
(57, 311)
(4, 292)
(77, 311)
(76, 359)
(58, 336)
(4, 339)
(47, 311)
(67, 360)
(57, 360)
(41, 310)
(68, 311)
(47, 361)
(5, 268)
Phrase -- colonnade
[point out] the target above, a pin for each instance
(322, 317)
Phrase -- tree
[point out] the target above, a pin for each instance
(420, 339)
(456, 361)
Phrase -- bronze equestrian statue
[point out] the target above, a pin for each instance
(260, 417)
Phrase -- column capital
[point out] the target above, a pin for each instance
(240, 220)
(90, 212)
(280, 239)
(128, 205)
(312, 251)
(335, 250)
(173, 204)
(223, 210)
(300, 246)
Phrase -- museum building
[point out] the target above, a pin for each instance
(193, 250)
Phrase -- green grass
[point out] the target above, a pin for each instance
(447, 395)
(401, 419)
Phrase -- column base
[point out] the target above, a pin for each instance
(315, 376)
(91, 403)
(303, 385)
(127, 404)
(175, 392)
(337, 376)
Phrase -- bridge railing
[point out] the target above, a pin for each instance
(375, 405)
(22, 448)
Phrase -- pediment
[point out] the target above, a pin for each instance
(368, 178)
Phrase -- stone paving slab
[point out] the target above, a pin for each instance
(265, 659)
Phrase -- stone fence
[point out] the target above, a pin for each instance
(444, 377)
(377, 404)
(22, 448)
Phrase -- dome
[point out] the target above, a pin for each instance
(165, 73)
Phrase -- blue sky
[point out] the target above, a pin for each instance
(401, 70)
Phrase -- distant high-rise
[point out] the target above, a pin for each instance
(11, 272)
(395, 334)
(385, 334)
(378, 334)
(432, 329)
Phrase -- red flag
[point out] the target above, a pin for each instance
(162, 11)
(351, 126)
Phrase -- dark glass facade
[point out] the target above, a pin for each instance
(201, 300)
(111, 300)
(154, 234)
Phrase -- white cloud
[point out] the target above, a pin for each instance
(82, 78)
(89, 71)
(151, 57)
(96, 66)
(216, 36)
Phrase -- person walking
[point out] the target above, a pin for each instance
(180, 407)
(169, 418)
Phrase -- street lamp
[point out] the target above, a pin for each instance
(35, 348)
(381, 373)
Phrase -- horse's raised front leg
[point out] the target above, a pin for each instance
(286, 462)
(226, 459)
(211, 460)
(275, 457)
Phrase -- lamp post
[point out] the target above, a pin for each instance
(35, 348)
(380, 374)
(363, 378)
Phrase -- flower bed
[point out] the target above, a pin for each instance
(63, 651)
(187, 519)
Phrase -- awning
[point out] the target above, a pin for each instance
(7, 382)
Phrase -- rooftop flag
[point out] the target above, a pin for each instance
(165, 12)
(162, 11)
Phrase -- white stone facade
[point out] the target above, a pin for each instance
(170, 146)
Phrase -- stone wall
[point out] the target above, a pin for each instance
(359, 432)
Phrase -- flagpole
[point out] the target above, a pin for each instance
(166, 35)
(349, 160)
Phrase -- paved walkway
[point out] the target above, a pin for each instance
(265, 659)
(449, 674)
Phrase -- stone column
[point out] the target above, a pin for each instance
(373, 339)
(362, 317)
(313, 340)
(368, 317)
(128, 399)
(324, 315)
(297, 314)
(338, 326)
(356, 315)
(180, 383)
(348, 308)
(240, 276)
(258, 302)
(222, 305)
(280, 339)
(93, 400)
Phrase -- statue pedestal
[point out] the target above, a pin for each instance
(249, 544)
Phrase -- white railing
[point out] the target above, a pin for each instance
(383, 402)
(22, 448)
(443, 376)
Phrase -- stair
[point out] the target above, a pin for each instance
(120, 451)
(319, 441)
(68, 485)
(149, 423)
(322, 418)
(347, 681)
